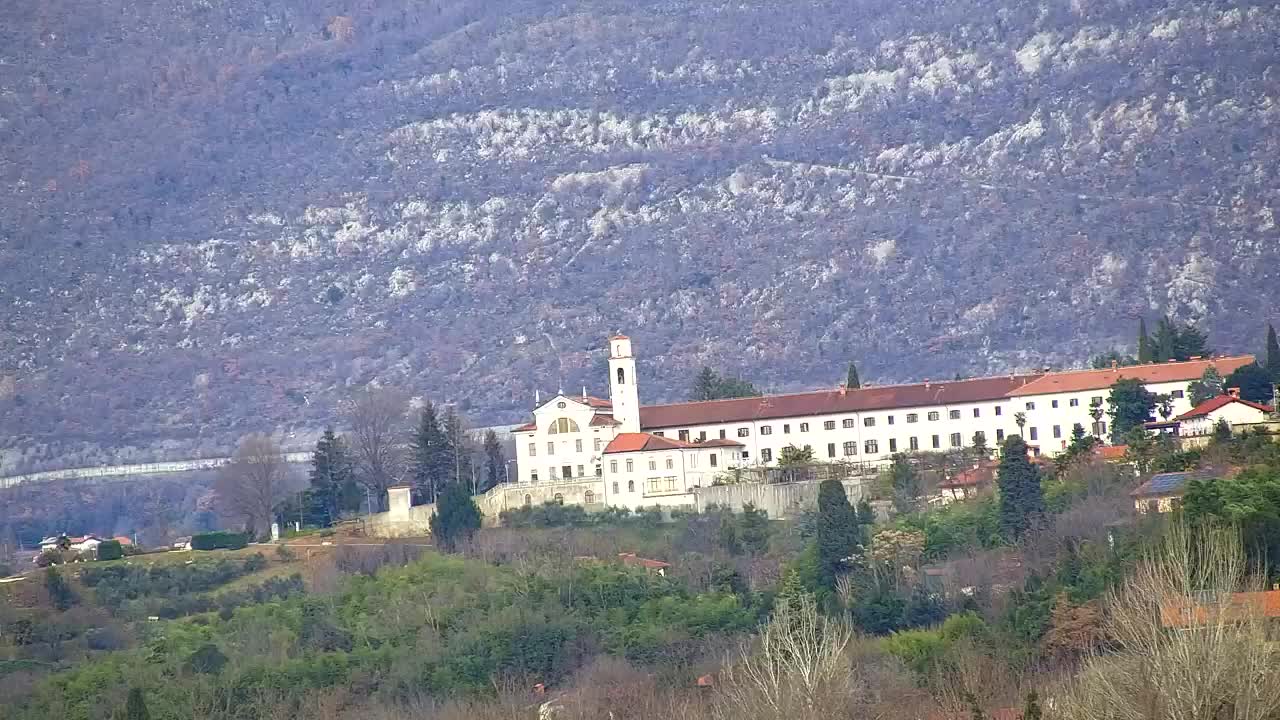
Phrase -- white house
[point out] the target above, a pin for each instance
(665, 451)
(1201, 419)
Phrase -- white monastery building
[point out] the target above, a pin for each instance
(639, 456)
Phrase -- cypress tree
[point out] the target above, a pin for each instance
(1021, 497)
(494, 462)
(1165, 341)
(1273, 354)
(135, 707)
(905, 482)
(851, 380)
(838, 532)
(457, 517)
(1144, 342)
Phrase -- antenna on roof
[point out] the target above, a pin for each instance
(584, 392)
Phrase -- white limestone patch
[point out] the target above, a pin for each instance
(1036, 52)
(882, 251)
(401, 283)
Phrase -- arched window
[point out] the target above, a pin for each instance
(559, 499)
(562, 425)
(631, 486)
(622, 376)
(528, 500)
(589, 497)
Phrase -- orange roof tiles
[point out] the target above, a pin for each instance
(637, 442)
(603, 421)
(1217, 403)
(1112, 452)
(1184, 613)
(823, 402)
(1080, 380)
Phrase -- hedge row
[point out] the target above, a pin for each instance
(219, 541)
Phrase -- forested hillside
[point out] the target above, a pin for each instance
(219, 215)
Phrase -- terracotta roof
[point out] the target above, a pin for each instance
(971, 477)
(595, 402)
(1217, 403)
(527, 427)
(636, 442)
(1079, 380)
(603, 421)
(824, 402)
(631, 559)
(1112, 452)
(1184, 613)
(122, 540)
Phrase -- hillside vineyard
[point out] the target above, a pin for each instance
(220, 218)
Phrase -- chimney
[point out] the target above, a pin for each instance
(537, 398)
(1234, 392)
(584, 392)
(926, 382)
(843, 389)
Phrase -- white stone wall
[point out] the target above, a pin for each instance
(778, 500)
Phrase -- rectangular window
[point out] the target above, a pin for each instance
(786, 429)
(999, 411)
(937, 441)
(615, 487)
(714, 459)
(1053, 403)
(613, 468)
(956, 440)
(568, 471)
(831, 450)
(866, 422)
(890, 419)
(913, 443)
(1074, 402)
(999, 436)
(670, 463)
(871, 447)
(660, 433)
(533, 449)
(766, 429)
(980, 436)
(851, 448)
(683, 435)
(744, 432)
(766, 454)
(631, 466)
(671, 484)
(551, 448)
(653, 465)
(553, 473)
(893, 445)
(746, 454)
(977, 412)
(1095, 401)
(829, 425)
(693, 460)
(1034, 434)
(581, 471)
(596, 445)
(599, 471)
(804, 427)
(1031, 406)
(533, 476)
(1177, 394)
(702, 436)
(651, 485)
(1057, 432)
(954, 414)
(912, 417)
(934, 415)
(722, 433)
(577, 445)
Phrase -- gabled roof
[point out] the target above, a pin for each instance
(1170, 483)
(827, 402)
(971, 477)
(1081, 380)
(604, 421)
(638, 442)
(631, 559)
(1217, 403)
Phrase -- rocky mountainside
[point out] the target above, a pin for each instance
(219, 216)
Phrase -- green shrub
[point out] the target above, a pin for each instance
(219, 541)
(110, 550)
(920, 650)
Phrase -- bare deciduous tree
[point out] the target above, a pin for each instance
(376, 419)
(1193, 648)
(249, 488)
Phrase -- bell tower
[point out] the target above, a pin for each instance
(623, 392)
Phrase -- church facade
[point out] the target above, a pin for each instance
(633, 456)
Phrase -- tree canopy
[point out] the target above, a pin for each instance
(838, 531)
(1021, 496)
(1253, 381)
(711, 385)
(1129, 405)
(457, 517)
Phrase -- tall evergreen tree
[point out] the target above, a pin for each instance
(1253, 382)
(459, 450)
(1129, 405)
(494, 462)
(905, 482)
(754, 533)
(1164, 344)
(838, 532)
(705, 385)
(431, 462)
(1144, 342)
(1209, 386)
(1190, 342)
(333, 481)
(851, 380)
(1021, 497)
(135, 706)
(1273, 354)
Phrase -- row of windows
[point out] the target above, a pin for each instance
(596, 445)
(564, 472)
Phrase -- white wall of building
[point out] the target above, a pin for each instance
(1234, 413)
(543, 455)
(661, 477)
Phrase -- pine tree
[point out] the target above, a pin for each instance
(1190, 342)
(838, 532)
(135, 707)
(458, 449)
(905, 482)
(1144, 342)
(333, 483)
(754, 532)
(705, 385)
(1021, 497)
(1273, 354)
(431, 463)
(457, 517)
(494, 462)
(851, 378)
(1164, 344)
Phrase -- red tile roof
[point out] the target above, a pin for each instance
(631, 559)
(636, 442)
(595, 402)
(1217, 403)
(1183, 613)
(824, 402)
(1112, 452)
(603, 421)
(1080, 380)
(972, 477)
(527, 427)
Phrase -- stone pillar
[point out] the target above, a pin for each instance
(399, 500)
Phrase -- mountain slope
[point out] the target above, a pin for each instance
(221, 216)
